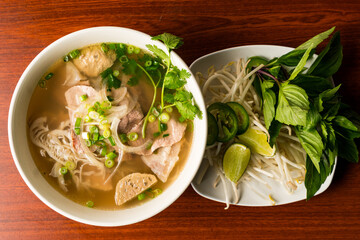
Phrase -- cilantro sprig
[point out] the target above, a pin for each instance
(161, 73)
(307, 100)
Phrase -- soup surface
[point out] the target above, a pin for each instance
(86, 127)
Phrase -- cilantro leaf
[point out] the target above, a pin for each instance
(188, 110)
(133, 81)
(109, 79)
(169, 98)
(172, 79)
(158, 52)
(183, 95)
(171, 41)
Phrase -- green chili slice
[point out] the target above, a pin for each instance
(226, 120)
(242, 116)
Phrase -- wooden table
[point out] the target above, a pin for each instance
(26, 27)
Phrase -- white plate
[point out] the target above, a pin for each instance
(248, 196)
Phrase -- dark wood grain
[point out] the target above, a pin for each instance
(26, 27)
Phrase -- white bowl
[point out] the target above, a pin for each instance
(20, 149)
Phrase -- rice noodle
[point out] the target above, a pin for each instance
(125, 148)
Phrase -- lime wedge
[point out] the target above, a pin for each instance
(235, 161)
(256, 140)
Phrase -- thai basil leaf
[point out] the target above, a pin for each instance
(268, 106)
(346, 111)
(316, 40)
(314, 179)
(312, 143)
(347, 149)
(329, 60)
(299, 67)
(345, 127)
(274, 131)
(311, 84)
(313, 117)
(292, 58)
(293, 105)
(325, 96)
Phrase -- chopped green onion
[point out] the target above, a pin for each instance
(104, 47)
(130, 49)
(109, 163)
(42, 83)
(151, 118)
(156, 134)
(107, 133)
(94, 115)
(104, 126)
(164, 117)
(87, 118)
(91, 109)
(123, 59)
(133, 136)
(101, 138)
(148, 63)
(77, 131)
(66, 58)
(94, 129)
(103, 151)
(141, 196)
(155, 112)
(110, 98)
(49, 76)
(163, 127)
(78, 122)
(169, 109)
(111, 140)
(166, 135)
(83, 97)
(116, 73)
(97, 105)
(95, 136)
(123, 138)
(137, 50)
(88, 143)
(90, 204)
(63, 170)
(74, 53)
(105, 105)
(111, 155)
(101, 112)
(70, 165)
(104, 121)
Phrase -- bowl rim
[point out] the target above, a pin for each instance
(201, 129)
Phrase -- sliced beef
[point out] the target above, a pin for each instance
(132, 185)
(163, 162)
(72, 95)
(175, 131)
(93, 61)
(131, 119)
